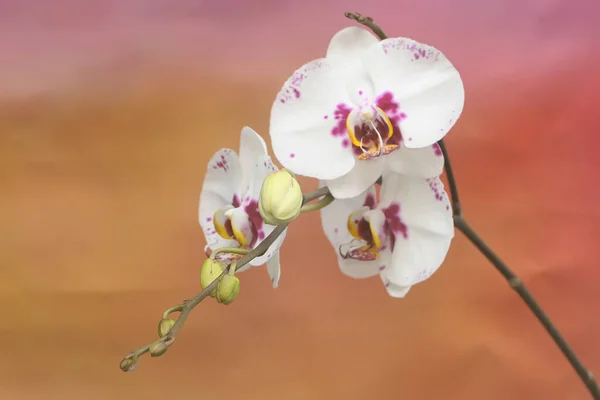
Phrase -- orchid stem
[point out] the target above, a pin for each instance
(317, 205)
(514, 281)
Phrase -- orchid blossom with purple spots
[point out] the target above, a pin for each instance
(404, 237)
(228, 209)
(364, 107)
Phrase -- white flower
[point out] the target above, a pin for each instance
(337, 117)
(404, 238)
(228, 210)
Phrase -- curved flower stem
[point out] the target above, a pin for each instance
(317, 205)
(514, 281)
(129, 361)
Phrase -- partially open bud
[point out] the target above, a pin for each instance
(280, 198)
(228, 289)
(158, 348)
(211, 270)
(165, 326)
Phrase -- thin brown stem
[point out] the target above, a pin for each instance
(514, 281)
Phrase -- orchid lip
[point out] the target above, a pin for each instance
(367, 242)
(358, 251)
(369, 129)
(225, 226)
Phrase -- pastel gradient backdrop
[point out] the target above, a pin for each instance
(109, 113)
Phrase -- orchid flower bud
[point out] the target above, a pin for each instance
(158, 348)
(280, 198)
(211, 270)
(165, 326)
(228, 289)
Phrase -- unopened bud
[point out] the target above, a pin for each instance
(165, 326)
(211, 270)
(158, 348)
(228, 289)
(280, 198)
(128, 363)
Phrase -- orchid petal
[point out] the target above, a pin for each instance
(346, 46)
(274, 248)
(426, 162)
(425, 85)
(364, 174)
(255, 162)
(424, 210)
(221, 185)
(308, 122)
(274, 269)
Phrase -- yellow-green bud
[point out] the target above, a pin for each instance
(165, 326)
(128, 363)
(211, 270)
(228, 289)
(280, 198)
(158, 348)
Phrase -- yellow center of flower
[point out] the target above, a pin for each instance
(225, 226)
(360, 227)
(369, 129)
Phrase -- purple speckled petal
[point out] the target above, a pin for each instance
(423, 222)
(308, 122)
(221, 183)
(427, 87)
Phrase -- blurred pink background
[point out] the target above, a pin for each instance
(109, 113)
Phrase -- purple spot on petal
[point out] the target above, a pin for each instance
(345, 143)
(208, 219)
(296, 93)
(325, 116)
(360, 92)
(370, 201)
(437, 150)
(292, 155)
(341, 113)
(381, 267)
(256, 221)
(335, 230)
(394, 223)
(235, 201)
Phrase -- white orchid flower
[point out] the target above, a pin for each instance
(368, 102)
(228, 210)
(404, 237)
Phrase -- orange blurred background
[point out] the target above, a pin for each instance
(109, 113)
